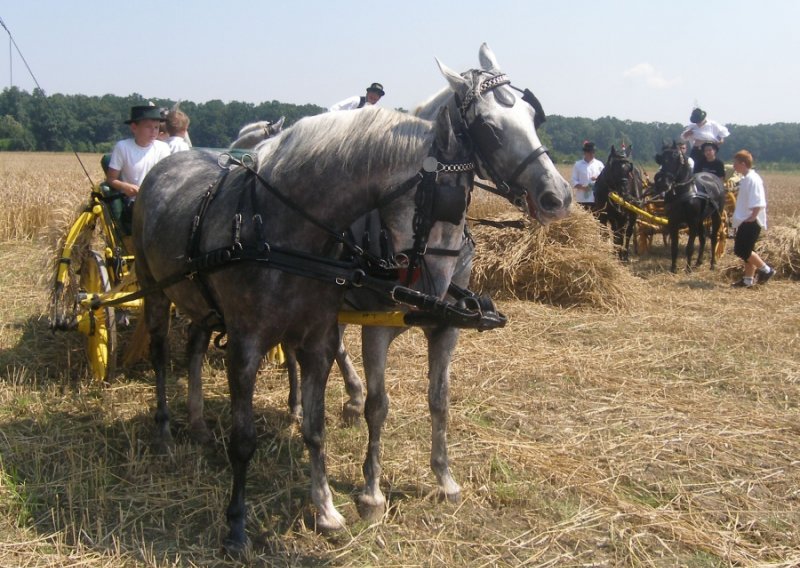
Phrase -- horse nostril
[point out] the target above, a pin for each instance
(550, 202)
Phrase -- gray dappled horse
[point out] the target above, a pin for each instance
(442, 339)
(484, 110)
(312, 181)
(688, 201)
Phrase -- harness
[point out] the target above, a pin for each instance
(363, 269)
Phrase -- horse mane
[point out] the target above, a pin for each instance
(428, 108)
(347, 143)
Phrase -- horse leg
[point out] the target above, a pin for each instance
(441, 344)
(701, 233)
(374, 346)
(716, 221)
(690, 247)
(618, 236)
(156, 310)
(196, 348)
(243, 358)
(354, 407)
(629, 229)
(673, 242)
(315, 365)
(295, 405)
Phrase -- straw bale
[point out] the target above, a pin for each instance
(568, 263)
(781, 248)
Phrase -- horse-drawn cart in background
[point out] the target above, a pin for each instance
(651, 217)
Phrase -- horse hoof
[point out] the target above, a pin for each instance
(454, 498)
(297, 413)
(370, 509)
(200, 434)
(331, 522)
(163, 444)
(236, 548)
(351, 413)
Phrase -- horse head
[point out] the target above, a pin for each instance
(439, 214)
(506, 147)
(251, 134)
(675, 169)
(621, 176)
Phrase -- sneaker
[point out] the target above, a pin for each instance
(764, 276)
(741, 284)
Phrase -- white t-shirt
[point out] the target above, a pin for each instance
(710, 132)
(584, 173)
(348, 104)
(177, 144)
(134, 161)
(751, 194)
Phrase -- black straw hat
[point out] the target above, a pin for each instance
(588, 146)
(145, 112)
(376, 88)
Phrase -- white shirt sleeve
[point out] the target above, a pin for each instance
(347, 104)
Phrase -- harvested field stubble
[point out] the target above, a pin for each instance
(656, 429)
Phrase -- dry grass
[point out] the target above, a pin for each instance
(661, 431)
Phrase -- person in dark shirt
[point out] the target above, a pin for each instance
(710, 163)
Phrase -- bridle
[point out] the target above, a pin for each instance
(669, 179)
(485, 141)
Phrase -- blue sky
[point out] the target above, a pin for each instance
(631, 59)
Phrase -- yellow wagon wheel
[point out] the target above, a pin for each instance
(99, 326)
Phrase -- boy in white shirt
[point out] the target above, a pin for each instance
(132, 158)
(749, 219)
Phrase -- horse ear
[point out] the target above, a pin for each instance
(457, 83)
(279, 123)
(487, 58)
(445, 137)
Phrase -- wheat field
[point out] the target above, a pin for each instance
(625, 416)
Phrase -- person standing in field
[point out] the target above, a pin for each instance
(749, 219)
(584, 174)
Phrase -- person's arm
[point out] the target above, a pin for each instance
(753, 214)
(575, 181)
(128, 189)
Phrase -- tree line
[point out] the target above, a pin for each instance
(38, 122)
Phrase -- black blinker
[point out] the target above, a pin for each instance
(531, 99)
(449, 204)
(484, 135)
